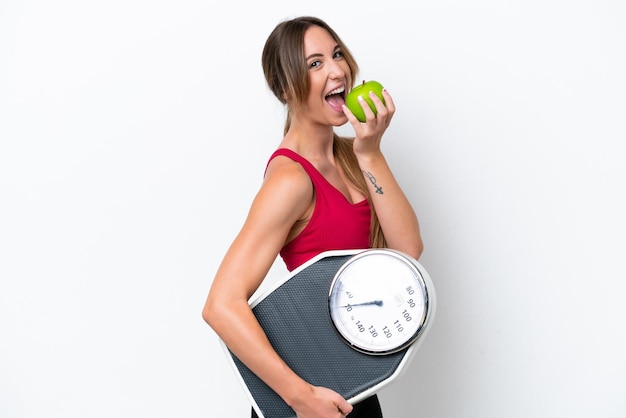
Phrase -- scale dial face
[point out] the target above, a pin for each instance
(378, 301)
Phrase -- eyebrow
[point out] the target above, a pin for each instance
(314, 56)
(317, 54)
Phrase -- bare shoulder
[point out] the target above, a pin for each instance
(288, 179)
(284, 199)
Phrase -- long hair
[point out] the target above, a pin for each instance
(286, 73)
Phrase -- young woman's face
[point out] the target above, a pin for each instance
(328, 77)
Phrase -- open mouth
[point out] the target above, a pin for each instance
(337, 98)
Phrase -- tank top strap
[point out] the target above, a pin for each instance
(306, 164)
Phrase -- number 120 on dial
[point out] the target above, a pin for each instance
(378, 301)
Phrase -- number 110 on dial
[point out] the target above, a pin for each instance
(378, 301)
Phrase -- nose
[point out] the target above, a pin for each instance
(336, 70)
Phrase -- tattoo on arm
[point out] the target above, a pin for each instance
(372, 180)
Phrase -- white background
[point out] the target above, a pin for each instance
(134, 135)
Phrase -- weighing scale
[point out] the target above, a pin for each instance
(348, 320)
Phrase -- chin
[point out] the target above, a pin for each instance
(340, 121)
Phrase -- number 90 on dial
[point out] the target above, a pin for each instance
(378, 301)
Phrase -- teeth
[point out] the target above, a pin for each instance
(336, 91)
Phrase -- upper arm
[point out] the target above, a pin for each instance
(283, 199)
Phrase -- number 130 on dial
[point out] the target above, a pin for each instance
(379, 301)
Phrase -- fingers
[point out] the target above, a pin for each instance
(384, 110)
(391, 107)
(351, 118)
(369, 133)
(345, 408)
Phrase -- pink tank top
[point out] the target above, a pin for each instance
(336, 224)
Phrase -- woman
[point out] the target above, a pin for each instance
(320, 192)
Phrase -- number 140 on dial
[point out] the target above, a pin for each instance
(378, 301)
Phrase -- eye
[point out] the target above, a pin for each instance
(314, 64)
(338, 54)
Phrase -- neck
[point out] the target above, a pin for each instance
(309, 140)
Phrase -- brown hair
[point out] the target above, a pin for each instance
(286, 73)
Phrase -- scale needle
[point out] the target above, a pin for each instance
(371, 302)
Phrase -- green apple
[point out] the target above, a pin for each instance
(363, 89)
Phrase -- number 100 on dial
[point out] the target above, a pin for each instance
(378, 301)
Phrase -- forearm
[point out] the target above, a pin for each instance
(395, 213)
(239, 329)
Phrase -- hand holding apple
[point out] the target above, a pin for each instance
(363, 90)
